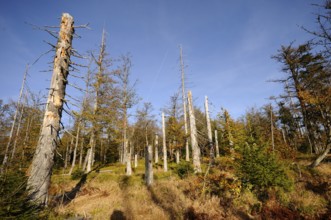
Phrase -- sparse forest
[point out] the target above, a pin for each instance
(108, 155)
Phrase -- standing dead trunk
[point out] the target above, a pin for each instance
(135, 160)
(5, 159)
(156, 148)
(81, 153)
(194, 141)
(165, 162)
(177, 156)
(75, 150)
(216, 144)
(187, 149)
(17, 133)
(272, 129)
(128, 160)
(210, 137)
(149, 165)
(42, 164)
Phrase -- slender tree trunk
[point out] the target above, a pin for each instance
(165, 162)
(194, 141)
(135, 160)
(42, 164)
(75, 150)
(156, 148)
(272, 129)
(187, 149)
(17, 133)
(177, 156)
(86, 158)
(81, 153)
(149, 165)
(128, 161)
(5, 159)
(210, 137)
(216, 145)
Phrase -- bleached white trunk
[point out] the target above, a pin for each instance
(216, 144)
(156, 148)
(187, 149)
(128, 161)
(135, 160)
(210, 137)
(165, 161)
(75, 150)
(42, 164)
(149, 165)
(194, 141)
(177, 156)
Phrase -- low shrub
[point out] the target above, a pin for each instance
(262, 170)
(184, 169)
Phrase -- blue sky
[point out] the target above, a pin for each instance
(227, 44)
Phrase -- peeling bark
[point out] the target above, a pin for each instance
(42, 164)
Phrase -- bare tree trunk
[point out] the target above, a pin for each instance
(156, 148)
(5, 159)
(17, 133)
(194, 141)
(187, 149)
(86, 158)
(149, 165)
(75, 150)
(135, 160)
(216, 145)
(177, 156)
(81, 153)
(128, 161)
(165, 162)
(210, 137)
(272, 129)
(42, 164)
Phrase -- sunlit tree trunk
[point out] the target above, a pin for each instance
(187, 149)
(156, 148)
(165, 161)
(42, 164)
(5, 159)
(75, 150)
(210, 137)
(216, 144)
(194, 141)
(149, 165)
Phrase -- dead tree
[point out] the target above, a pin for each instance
(149, 165)
(187, 149)
(42, 164)
(165, 162)
(216, 144)
(5, 160)
(194, 141)
(156, 148)
(210, 137)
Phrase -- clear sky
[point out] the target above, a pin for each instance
(227, 44)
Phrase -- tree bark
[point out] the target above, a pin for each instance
(135, 160)
(210, 137)
(194, 141)
(5, 159)
(216, 144)
(156, 148)
(149, 165)
(128, 160)
(165, 162)
(42, 164)
(75, 150)
(187, 149)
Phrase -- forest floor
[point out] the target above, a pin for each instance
(106, 193)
